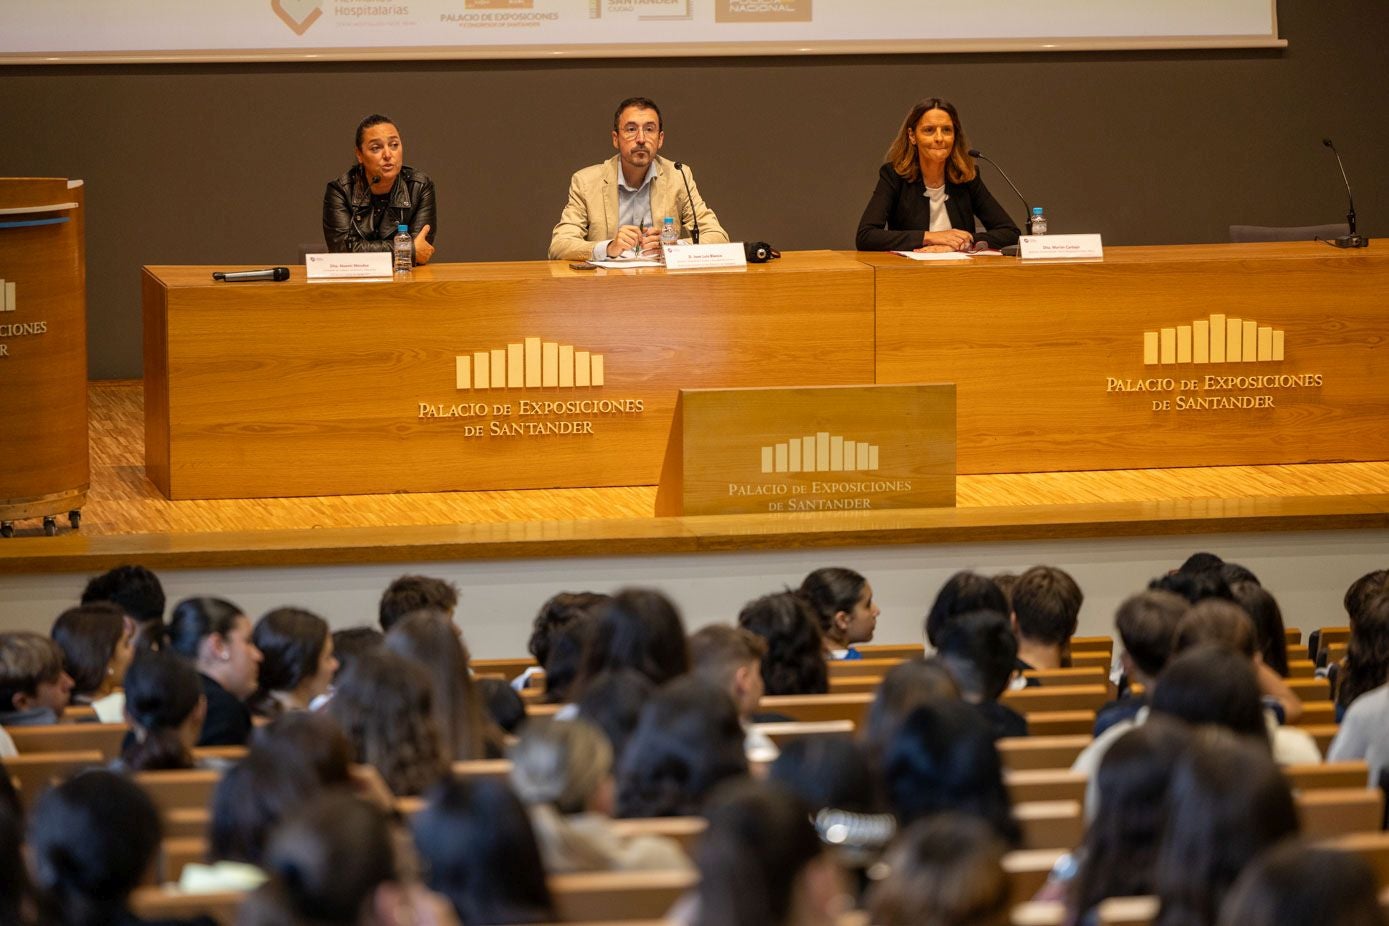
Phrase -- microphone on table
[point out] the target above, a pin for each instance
(274, 274)
(1352, 240)
(694, 213)
(1027, 209)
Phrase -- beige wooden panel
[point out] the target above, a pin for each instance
(284, 389)
(1033, 349)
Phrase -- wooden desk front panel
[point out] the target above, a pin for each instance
(1033, 349)
(284, 389)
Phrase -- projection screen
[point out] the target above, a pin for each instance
(105, 31)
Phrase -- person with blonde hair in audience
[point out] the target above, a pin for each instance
(945, 871)
(215, 635)
(843, 601)
(688, 740)
(480, 852)
(297, 662)
(761, 862)
(1226, 803)
(165, 707)
(34, 688)
(731, 658)
(430, 639)
(97, 641)
(562, 771)
(333, 863)
(1295, 883)
(385, 706)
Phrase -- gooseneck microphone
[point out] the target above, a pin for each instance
(976, 153)
(1351, 240)
(694, 213)
(273, 274)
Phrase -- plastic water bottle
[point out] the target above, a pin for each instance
(1039, 221)
(669, 234)
(403, 247)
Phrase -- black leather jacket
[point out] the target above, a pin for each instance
(347, 219)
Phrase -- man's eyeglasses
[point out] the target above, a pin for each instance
(631, 130)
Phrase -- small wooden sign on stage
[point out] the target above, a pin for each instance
(815, 448)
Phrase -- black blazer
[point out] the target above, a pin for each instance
(347, 211)
(228, 720)
(899, 214)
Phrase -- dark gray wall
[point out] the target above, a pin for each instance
(226, 164)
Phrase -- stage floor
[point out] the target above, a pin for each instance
(126, 516)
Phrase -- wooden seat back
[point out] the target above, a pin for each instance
(1057, 698)
(1035, 752)
(178, 851)
(1310, 689)
(1076, 675)
(783, 733)
(857, 668)
(508, 668)
(1050, 824)
(685, 830)
(1098, 658)
(1372, 847)
(187, 789)
(1027, 871)
(1045, 784)
(105, 738)
(1332, 812)
(1060, 723)
(35, 772)
(1092, 644)
(833, 706)
(156, 903)
(897, 651)
(618, 895)
(1127, 911)
(1352, 773)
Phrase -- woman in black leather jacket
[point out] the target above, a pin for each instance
(362, 208)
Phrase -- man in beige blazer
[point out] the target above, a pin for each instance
(616, 208)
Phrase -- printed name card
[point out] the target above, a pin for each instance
(1051, 247)
(367, 265)
(705, 256)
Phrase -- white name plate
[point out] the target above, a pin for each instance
(705, 256)
(1044, 247)
(366, 265)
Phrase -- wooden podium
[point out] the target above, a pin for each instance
(43, 351)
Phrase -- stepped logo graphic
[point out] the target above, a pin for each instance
(821, 452)
(299, 15)
(6, 296)
(1217, 339)
(530, 364)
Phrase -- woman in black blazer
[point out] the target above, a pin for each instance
(929, 192)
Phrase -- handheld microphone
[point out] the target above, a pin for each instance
(1351, 240)
(274, 274)
(976, 153)
(694, 213)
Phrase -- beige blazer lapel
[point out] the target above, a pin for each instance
(609, 198)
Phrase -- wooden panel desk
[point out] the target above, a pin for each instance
(471, 376)
(1130, 362)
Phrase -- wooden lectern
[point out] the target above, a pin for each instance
(43, 351)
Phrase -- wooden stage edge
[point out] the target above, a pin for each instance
(126, 520)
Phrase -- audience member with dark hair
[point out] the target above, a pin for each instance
(564, 661)
(433, 643)
(1005, 582)
(216, 637)
(946, 871)
(794, 663)
(166, 709)
(1120, 847)
(92, 841)
(333, 864)
(555, 615)
(1294, 884)
(1234, 573)
(1195, 587)
(348, 644)
(761, 862)
(981, 651)
(1147, 624)
(612, 702)
(730, 658)
(1364, 729)
(384, 705)
(943, 758)
(16, 893)
(1269, 633)
(479, 851)
(1226, 803)
(1362, 591)
(297, 661)
(1201, 562)
(640, 629)
(963, 593)
(904, 688)
(1366, 664)
(97, 644)
(34, 689)
(1046, 611)
(562, 771)
(139, 594)
(501, 705)
(312, 740)
(250, 800)
(688, 740)
(1226, 623)
(843, 603)
(415, 593)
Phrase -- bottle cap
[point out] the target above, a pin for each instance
(402, 228)
(1036, 210)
